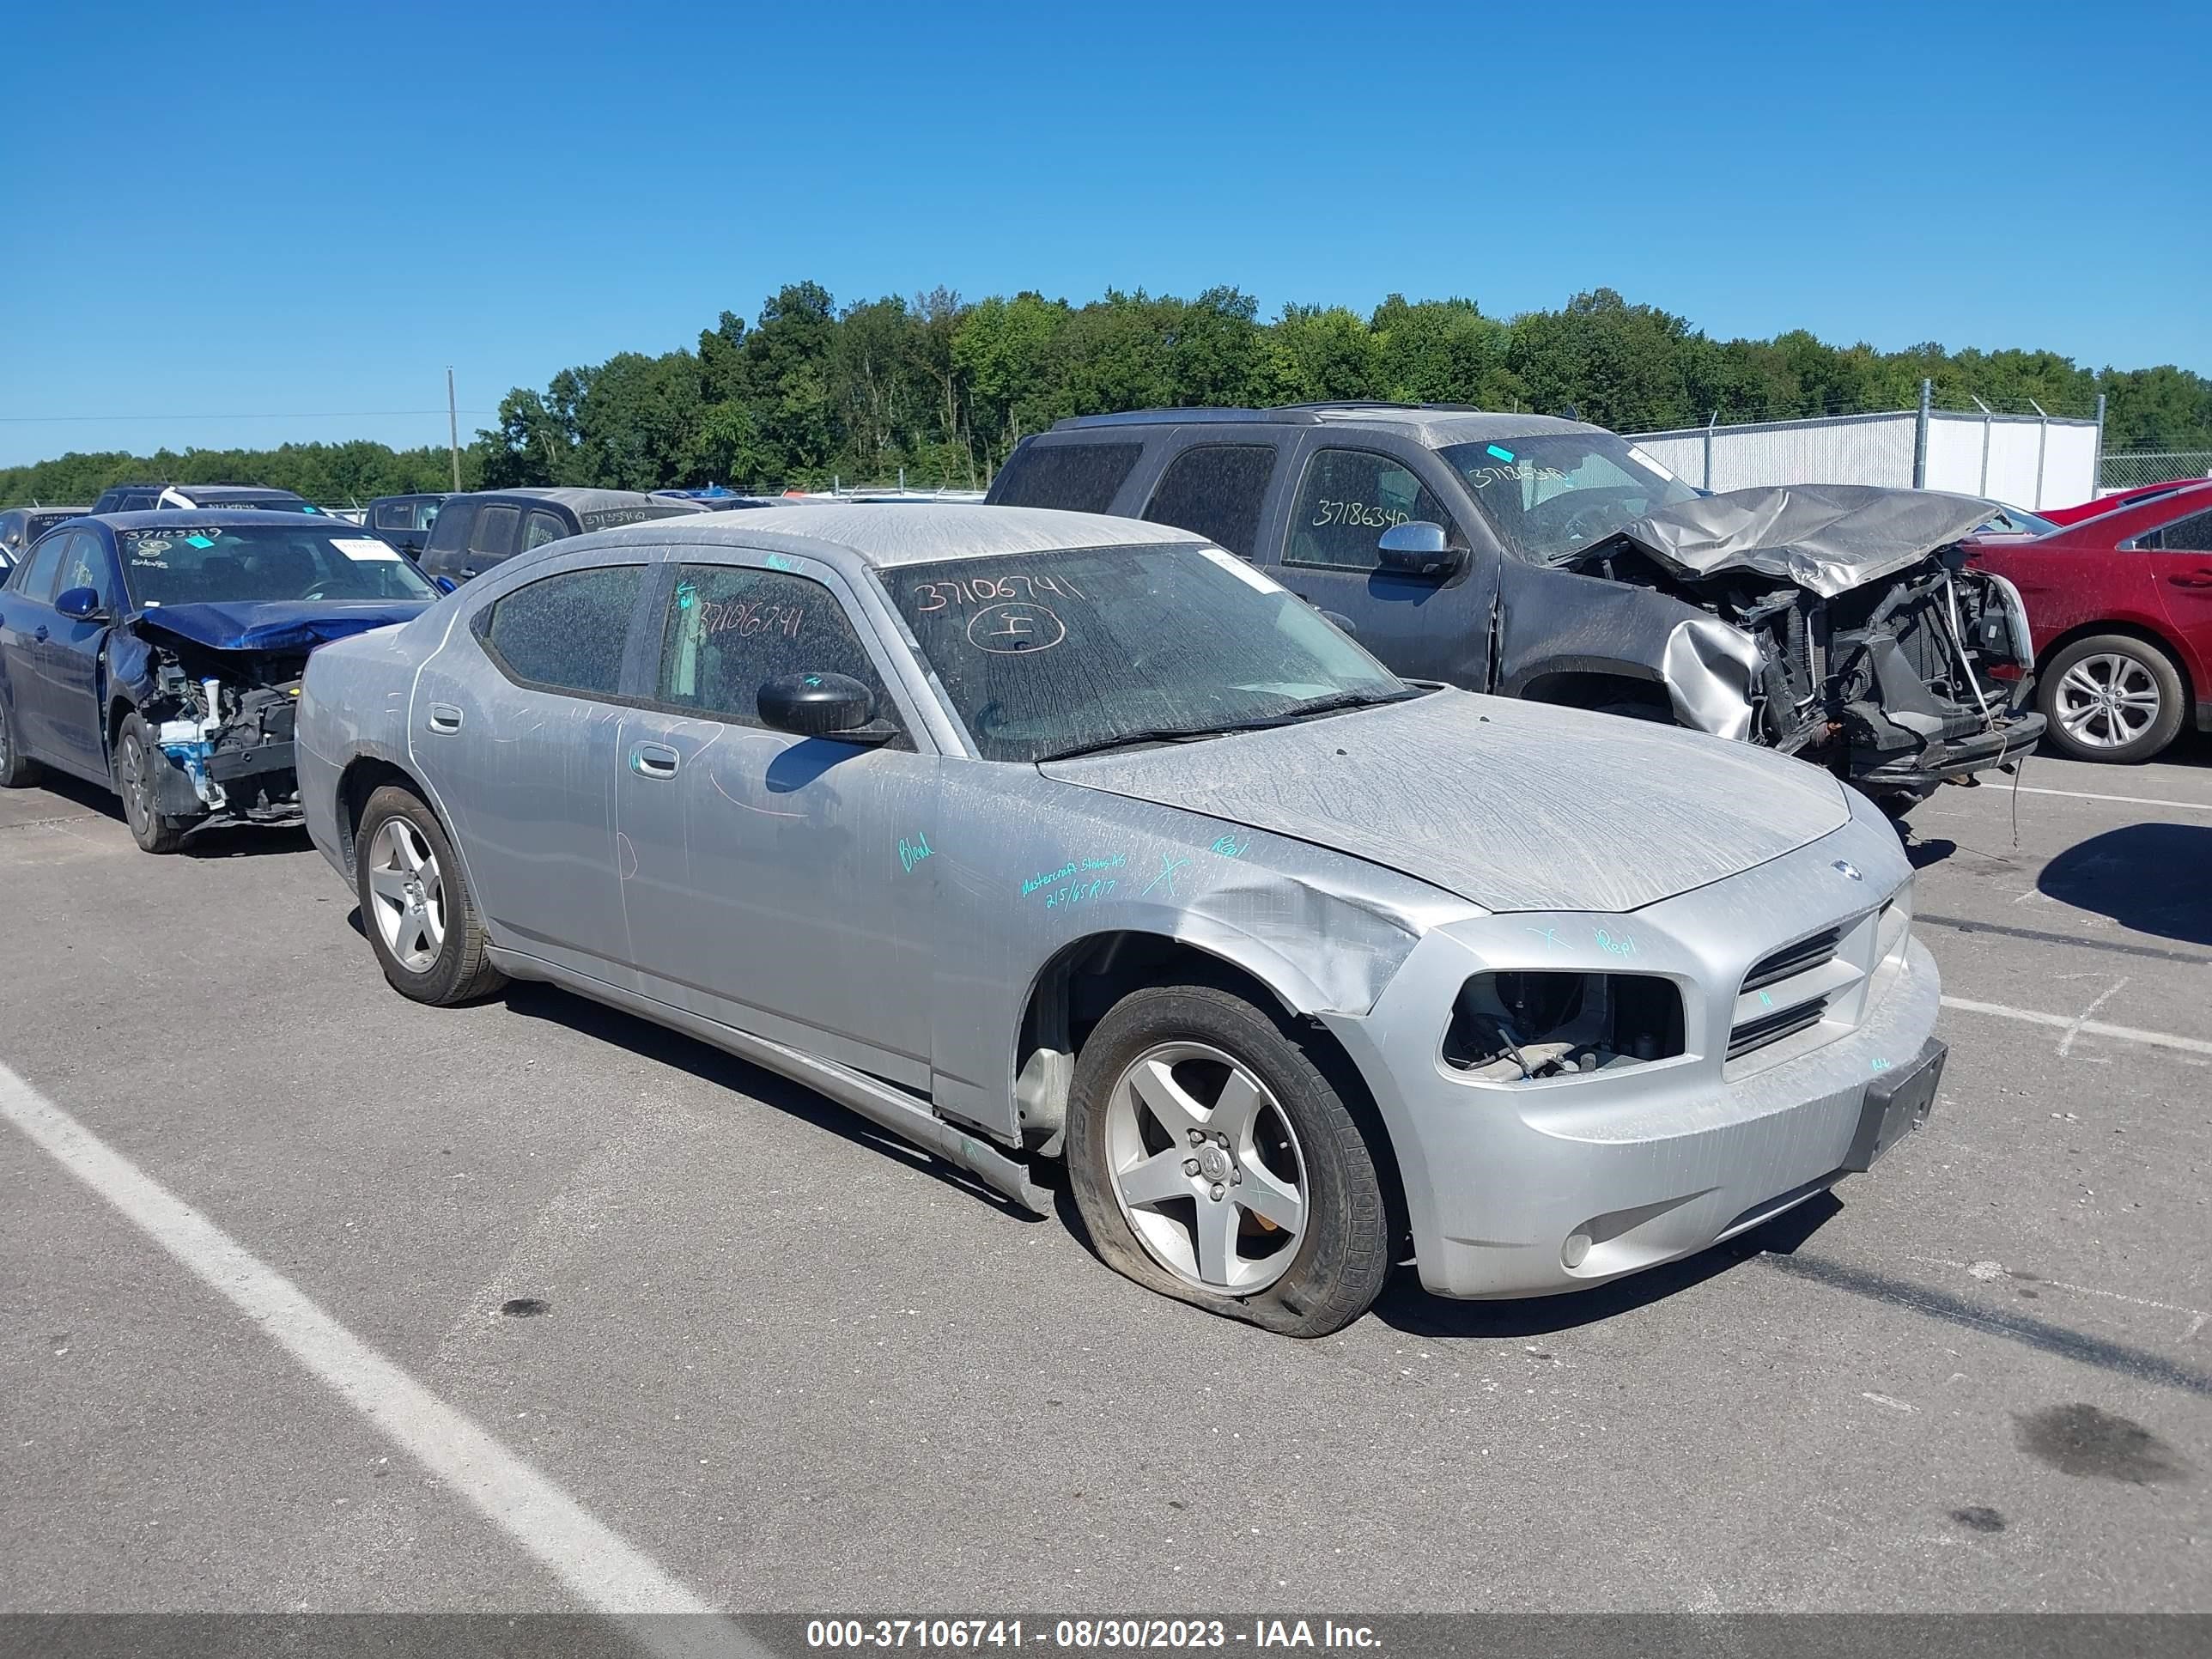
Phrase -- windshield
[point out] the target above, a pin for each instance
(217, 563)
(1548, 497)
(1043, 654)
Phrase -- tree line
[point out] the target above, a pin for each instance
(942, 388)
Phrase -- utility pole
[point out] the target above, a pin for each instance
(453, 428)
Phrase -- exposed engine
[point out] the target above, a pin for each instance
(225, 718)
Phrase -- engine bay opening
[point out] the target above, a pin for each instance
(1523, 1027)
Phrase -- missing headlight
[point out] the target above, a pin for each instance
(1521, 1027)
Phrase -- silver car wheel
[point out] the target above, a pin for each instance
(408, 894)
(1207, 1168)
(2107, 700)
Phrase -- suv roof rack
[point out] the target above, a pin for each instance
(1281, 415)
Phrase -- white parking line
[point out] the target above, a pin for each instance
(604, 1572)
(2090, 1027)
(2126, 801)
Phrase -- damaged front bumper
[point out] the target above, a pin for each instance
(209, 785)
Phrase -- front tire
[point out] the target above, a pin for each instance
(2110, 697)
(138, 782)
(17, 770)
(421, 917)
(1211, 1161)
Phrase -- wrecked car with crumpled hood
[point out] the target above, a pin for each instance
(163, 658)
(1558, 563)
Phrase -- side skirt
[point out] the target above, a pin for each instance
(887, 1108)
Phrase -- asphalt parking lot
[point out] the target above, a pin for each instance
(797, 1369)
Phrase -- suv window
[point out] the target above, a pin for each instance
(1079, 478)
(36, 580)
(2191, 535)
(1216, 489)
(449, 531)
(493, 533)
(729, 629)
(1346, 500)
(566, 633)
(542, 527)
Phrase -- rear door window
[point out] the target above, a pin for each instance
(1077, 478)
(1215, 490)
(1347, 499)
(449, 534)
(492, 536)
(565, 632)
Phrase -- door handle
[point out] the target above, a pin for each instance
(445, 718)
(653, 760)
(2187, 579)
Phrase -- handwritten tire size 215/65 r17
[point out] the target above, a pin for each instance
(1213, 1161)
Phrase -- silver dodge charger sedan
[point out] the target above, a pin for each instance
(1033, 835)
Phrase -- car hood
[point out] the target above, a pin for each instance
(290, 625)
(1826, 538)
(1511, 806)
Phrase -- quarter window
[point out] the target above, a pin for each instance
(1346, 500)
(567, 632)
(542, 527)
(2191, 535)
(1078, 477)
(729, 630)
(1215, 490)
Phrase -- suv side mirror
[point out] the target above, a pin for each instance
(1417, 548)
(821, 706)
(80, 605)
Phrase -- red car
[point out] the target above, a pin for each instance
(2121, 607)
(2141, 495)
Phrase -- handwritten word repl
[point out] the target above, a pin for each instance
(912, 853)
(1623, 946)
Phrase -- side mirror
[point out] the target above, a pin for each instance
(1418, 549)
(79, 603)
(444, 583)
(1338, 620)
(821, 706)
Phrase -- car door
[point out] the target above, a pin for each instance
(69, 659)
(491, 538)
(1348, 492)
(28, 621)
(515, 724)
(777, 883)
(2179, 558)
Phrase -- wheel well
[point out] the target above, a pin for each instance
(1086, 978)
(1584, 690)
(2129, 630)
(361, 778)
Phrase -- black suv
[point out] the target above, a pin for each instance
(1554, 561)
(472, 533)
(243, 498)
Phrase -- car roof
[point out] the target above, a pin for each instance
(576, 498)
(210, 492)
(884, 535)
(158, 517)
(1435, 424)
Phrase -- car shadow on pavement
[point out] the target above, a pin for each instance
(2149, 878)
(1405, 1306)
(229, 842)
(648, 1041)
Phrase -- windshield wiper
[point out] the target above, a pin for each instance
(1296, 712)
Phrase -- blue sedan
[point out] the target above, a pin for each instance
(160, 655)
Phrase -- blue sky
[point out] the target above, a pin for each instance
(291, 211)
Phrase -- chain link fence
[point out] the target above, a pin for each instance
(2130, 468)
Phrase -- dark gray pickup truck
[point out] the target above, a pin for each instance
(1554, 561)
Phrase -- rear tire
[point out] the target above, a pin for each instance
(17, 770)
(2111, 697)
(421, 917)
(137, 782)
(1274, 1213)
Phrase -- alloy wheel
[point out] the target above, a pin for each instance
(1207, 1168)
(137, 781)
(407, 893)
(2107, 700)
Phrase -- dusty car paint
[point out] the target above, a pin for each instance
(895, 925)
